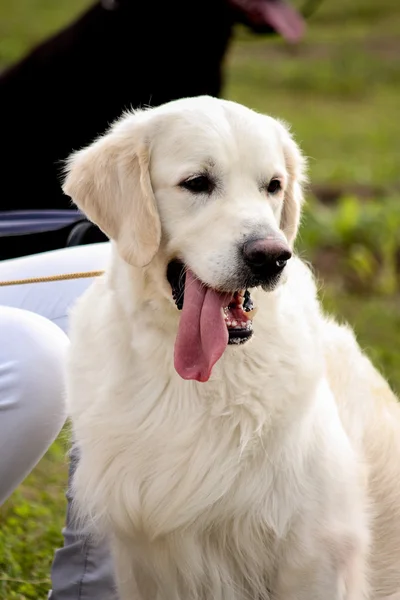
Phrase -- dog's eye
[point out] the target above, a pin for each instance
(274, 186)
(201, 184)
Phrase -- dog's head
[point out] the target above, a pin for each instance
(214, 190)
(263, 16)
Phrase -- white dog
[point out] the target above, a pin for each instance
(228, 455)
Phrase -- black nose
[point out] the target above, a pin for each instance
(266, 257)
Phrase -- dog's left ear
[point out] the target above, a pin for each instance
(296, 165)
(110, 182)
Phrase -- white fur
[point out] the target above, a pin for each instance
(279, 478)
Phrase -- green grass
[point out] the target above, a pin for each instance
(339, 90)
(30, 528)
(24, 23)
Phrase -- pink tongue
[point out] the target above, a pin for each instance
(202, 334)
(279, 14)
(284, 19)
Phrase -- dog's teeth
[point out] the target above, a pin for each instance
(243, 324)
(251, 313)
(234, 323)
(229, 322)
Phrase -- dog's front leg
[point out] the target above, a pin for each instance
(333, 570)
(126, 574)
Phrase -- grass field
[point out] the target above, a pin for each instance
(339, 90)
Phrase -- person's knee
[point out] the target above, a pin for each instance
(32, 355)
(32, 397)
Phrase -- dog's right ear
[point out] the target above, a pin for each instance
(110, 182)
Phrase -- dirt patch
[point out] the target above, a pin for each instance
(383, 47)
(330, 193)
(387, 48)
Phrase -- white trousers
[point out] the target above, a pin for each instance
(32, 352)
(33, 343)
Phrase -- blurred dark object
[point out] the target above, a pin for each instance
(30, 232)
(120, 54)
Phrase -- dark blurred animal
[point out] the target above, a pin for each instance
(119, 54)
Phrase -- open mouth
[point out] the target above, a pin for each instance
(238, 317)
(210, 320)
(238, 313)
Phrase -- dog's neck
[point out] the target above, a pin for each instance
(146, 293)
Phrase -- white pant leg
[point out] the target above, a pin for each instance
(32, 411)
(53, 299)
(81, 568)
